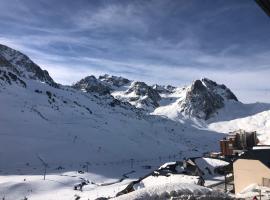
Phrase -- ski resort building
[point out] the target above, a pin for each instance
(252, 168)
(237, 142)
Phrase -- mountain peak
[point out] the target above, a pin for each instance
(201, 99)
(204, 97)
(116, 81)
(92, 84)
(163, 89)
(221, 89)
(145, 94)
(23, 66)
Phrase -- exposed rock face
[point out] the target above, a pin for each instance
(146, 94)
(201, 100)
(21, 65)
(222, 90)
(9, 77)
(160, 89)
(204, 98)
(5, 63)
(163, 89)
(92, 84)
(170, 88)
(114, 80)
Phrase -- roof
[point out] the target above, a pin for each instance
(265, 5)
(262, 155)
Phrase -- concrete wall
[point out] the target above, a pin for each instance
(247, 172)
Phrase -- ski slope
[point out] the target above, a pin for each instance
(259, 122)
(111, 138)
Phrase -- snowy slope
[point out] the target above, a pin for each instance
(201, 100)
(70, 129)
(152, 181)
(107, 122)
(65, 125)
(75, 123)
(258, 122)
(168, 191)
(21, 65)
(249, 117)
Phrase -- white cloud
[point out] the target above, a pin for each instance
(242, 79)
(112, 16)
(87, 46)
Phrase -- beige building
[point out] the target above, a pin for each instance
(252, 168)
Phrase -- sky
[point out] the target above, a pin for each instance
(156, 41)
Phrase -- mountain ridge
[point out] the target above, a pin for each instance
(22, 65)
(202, 99)
(66, 125)
(107, 126)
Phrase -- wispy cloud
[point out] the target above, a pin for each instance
(113, 17)
(169, 42)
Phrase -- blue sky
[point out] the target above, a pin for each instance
(157, 41)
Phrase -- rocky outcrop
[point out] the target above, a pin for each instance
(9, 77)
(222, 90)
(22, 66)
(116, 81)
(92, 84)
(144, 93)
(163, 89)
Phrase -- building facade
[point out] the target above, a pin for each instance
(252, 168)
(237, 142)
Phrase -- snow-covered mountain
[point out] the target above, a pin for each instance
(204, 103)
(259, 122)
(17, 63)
(29, 96)
(91, 84)
(84, 122)
(201, 99)
(106, 121)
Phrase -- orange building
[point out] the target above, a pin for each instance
(238, 141)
